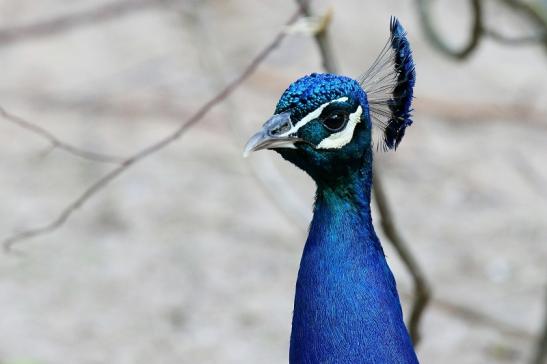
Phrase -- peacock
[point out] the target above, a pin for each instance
(346, 306)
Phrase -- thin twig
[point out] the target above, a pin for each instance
(279, 191)
(424, 7)
(478, 29)
(535, 12)
(514, 41)
(540, 355)
(474, 316)
(422, 292)
(421, 288)
(102, 182)
(536, 181)
(322, 39)
(55, 142)
(65, 23)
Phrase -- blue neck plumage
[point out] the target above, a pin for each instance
(346, 306)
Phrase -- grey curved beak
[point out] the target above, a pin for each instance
(277, 132)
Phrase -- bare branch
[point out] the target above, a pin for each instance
(322, 39)
(514, 41)
(421, 288)
(422, 292)
(58, 143)
(474, 316)
(102, 182)
(478, 29)
(280, 192)
(536, 12)
(540, 356)
(537, 183)
(424, 7)
(69, 22)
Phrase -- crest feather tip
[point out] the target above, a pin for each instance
(389, 84)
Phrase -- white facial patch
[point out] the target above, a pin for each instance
(311, 116)
(343, 137)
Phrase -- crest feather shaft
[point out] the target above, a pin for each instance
(389, 84)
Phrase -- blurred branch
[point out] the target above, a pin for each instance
(421, 288)
(102, 182)
(515, 41)
(535, 179)
(322, 39)
(537, 182)
(533, 11)
(474, 316)
(69, 22)
(56, 142)
(422, 291)
(540, 355)
(424, 7)
(280, 193)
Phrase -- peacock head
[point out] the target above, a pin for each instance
(323, 123)
(320, 122)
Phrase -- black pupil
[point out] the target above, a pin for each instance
(335, 121)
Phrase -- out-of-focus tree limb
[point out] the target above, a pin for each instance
(279, 191)
(422, 292)
(540, 355)
(69, 22)
(424, 8)
(58, 143)
(513, 41)
(535, 11)
(474, 316)
(102, 182)
(322, 38)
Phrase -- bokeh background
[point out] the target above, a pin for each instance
(191, 256)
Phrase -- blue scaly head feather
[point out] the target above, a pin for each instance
(346, 307)
(341, 98)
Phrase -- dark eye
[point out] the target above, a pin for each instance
(336, 121)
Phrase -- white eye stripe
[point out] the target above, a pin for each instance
(312, 116)
(343, 137)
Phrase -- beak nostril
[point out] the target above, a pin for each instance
(281, 129)
(275, 133)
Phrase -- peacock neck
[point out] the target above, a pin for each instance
(346, 306)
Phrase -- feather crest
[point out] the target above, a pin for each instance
(389, 84)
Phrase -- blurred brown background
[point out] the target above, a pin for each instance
(188, 257)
